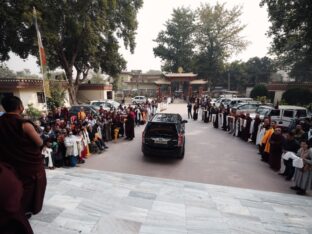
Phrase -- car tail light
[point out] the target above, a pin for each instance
(180, 139)
(143, 137)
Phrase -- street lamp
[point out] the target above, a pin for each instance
(138, 74)
(229, 80)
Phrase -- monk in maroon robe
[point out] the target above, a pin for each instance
(21, 149)
(12, 215)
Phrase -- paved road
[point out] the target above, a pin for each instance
(212, 157)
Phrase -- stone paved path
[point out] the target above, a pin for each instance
(89, 201)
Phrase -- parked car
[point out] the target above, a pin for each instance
(139, 100)
(88, 109)
(262, 111)
(285, 114)
(235, 101)
(164, 134)
(106, 104)
(245, 108)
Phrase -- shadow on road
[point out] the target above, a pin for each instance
(163, 160)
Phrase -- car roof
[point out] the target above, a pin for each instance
(166, 118)
(283, 107)
(267, 107)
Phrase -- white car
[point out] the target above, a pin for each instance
(139, 100)
(106, 104)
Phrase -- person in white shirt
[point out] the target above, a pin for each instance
(47, 153)
(71, 143)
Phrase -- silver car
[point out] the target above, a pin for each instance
(245, 108)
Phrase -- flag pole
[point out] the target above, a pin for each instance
(42, 58)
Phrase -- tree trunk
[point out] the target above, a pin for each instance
(72, 90)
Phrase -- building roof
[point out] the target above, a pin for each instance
(171, 75)
(95, 87)
(285, 86)
(20, 83)
(198, 82)
(162, 82)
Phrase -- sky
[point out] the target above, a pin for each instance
(152, 18)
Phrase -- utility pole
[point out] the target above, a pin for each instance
(229, 81)
(137, 73)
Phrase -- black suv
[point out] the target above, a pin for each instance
(164, 135)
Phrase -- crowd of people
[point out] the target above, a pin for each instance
(286, 151)
(56, 139)
(70, 139)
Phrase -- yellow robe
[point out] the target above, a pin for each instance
(266, 140)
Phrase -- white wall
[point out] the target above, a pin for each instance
(248, 91)
(84, 96)
(278, 96)
(29, 96)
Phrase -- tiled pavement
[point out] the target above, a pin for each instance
(88, 201)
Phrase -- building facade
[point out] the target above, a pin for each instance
(30, 91)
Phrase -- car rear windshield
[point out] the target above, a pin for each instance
(161, 130)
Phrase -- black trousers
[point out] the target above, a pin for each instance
(289, 169)
(189, 113)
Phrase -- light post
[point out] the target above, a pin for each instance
(137, 73)
(229, 80)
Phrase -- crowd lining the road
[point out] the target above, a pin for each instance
(69, 140)
(287, 153)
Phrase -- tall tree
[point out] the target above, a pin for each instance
(217, 38)
(236, 72)
(77, 34)
(291, 29)
(259, 70)
(175, 44)
(5, 72)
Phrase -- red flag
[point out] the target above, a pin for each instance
(43, 59)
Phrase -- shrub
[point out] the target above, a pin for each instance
(297, 96)
(33, 112)
(259, 91)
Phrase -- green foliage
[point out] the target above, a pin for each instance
(97, 78)
(259, 70)
(76, 34)
(217, 38)
(242, 74)
(175, 44)
(283, 102)
(259, 91)
(58, 94)
(262, 99)
(5, 72)
(32, 112)
(201, 41)
(291, 30)
(297, 96)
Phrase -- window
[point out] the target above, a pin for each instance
(288, 113)
(301, 113)
(274, 113)
(40, 97)
(2, 95)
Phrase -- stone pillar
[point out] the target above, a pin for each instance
(190, 90)
(200, 91)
